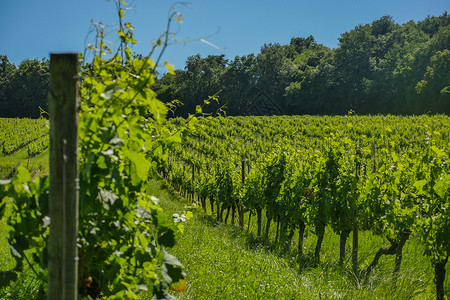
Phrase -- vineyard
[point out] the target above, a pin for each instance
(385, 175)
(19, 133)
(100, 223)
(22, 141)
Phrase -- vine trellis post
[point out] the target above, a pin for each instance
(63, 198)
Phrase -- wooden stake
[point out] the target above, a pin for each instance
(63, 198)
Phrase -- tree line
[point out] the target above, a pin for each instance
(377, 68)
(23, 89)
(382, 67)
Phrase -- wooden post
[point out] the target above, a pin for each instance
(63, 198)
(355, 224)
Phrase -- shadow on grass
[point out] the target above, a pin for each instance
(208, 220)
(255, 243)
(402, 287)
(302, 263)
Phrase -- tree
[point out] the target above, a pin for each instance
(24, 89)
(31, 87)
(300, 44)
(274, 72)
(199, 80)
(7, 71)
(436, 82)
(238, 83)
(431, 25)
(312, 91)
(375, 69)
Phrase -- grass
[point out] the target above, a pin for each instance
(26, 286)
(36, 165)
(224, 262)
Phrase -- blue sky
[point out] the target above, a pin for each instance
(34, 28)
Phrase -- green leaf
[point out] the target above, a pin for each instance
(143, 241)
(189, 215)
(140, 162)
(127, 54)
(167, 238)
(439, 152)
(2, 208)
(169, 67)
(178, 20)
(419, 185)
(442, 185)
(172, 269)
(22, 176)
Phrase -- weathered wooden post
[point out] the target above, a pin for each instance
(63, 198)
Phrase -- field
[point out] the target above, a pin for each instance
(224, 262)
(253, 182)
(367, 180)
(23, 141)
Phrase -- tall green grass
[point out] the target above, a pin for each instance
(224, 262)
(36, 165)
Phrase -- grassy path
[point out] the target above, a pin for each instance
(224, 262)
(36, 165)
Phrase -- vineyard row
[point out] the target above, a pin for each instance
(389, 175)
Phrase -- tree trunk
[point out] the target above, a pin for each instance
(287, 241)
(395, 248)
(318, 247)
(301, 233)
(267, 228)
(259, 216)
(439, 273)
(218, 211)
(211, 202)
(399, 250)
(233, 212)
(343, 240)
(228, 213)
(222, 209)
(241, 216)
(278, 227)
(203, 200)
(385, 251)
(355, 248)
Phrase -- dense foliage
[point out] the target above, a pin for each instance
(18, 133)
(386, 174)
(23, 89)
(382, 67)
(123, 234)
